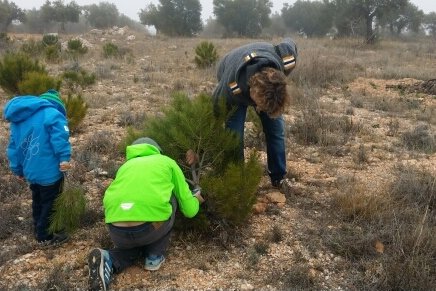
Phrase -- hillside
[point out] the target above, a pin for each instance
(360, 131)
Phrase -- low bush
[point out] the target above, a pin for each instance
(36, 83)
(421, 138)
(206, 54)
(76, 111)
(14, 68)
(110, 50)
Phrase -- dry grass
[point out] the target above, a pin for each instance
(324, 129)
(333, 128)
(395, 229)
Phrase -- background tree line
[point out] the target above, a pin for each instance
(234, 18)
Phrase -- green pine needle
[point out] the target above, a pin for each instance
(69, 208)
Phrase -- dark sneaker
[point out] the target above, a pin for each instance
(284, 185)
(100, 269)
(153, 262)
(57, 240)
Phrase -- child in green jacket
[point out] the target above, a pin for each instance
(140, 206)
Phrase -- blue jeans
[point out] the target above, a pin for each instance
(43, 197)
(136, 242)
(274, 129)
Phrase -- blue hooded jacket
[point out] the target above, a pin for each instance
(38, 139)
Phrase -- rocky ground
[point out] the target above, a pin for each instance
(283, 246)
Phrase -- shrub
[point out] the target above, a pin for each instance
(75, 46)
(4, 37)
(421, 138)
(5, 41)
(52, 53)
(231, 195)
(69, 207)
(76, 110)
(36, 83)
(13, 70)
(414, 186)
(321, 71)
(32, 48)
(314, 127)
(101, 143)
(206, 54)
(81, 78)
(131, 118)
(50, 39)
(110, 50)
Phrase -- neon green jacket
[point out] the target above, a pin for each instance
(143, 187)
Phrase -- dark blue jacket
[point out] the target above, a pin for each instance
(38, 139)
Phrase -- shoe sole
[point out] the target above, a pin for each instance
(154, 267)
(95, 265)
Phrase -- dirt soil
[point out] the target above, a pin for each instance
(281, 247)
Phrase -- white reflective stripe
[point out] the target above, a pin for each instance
(249, 57)
(289, 62)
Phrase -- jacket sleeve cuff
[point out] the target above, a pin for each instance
(18, 172)
(64, 159)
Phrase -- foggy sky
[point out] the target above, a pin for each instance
(131, 7)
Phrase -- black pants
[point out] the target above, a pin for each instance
(43, 198)
(137, 242)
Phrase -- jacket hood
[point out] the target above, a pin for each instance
(141, 150)
(287, 47)
(20, 108)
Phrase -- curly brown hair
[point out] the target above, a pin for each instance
(268, 90)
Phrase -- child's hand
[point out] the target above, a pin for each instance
(64, 166)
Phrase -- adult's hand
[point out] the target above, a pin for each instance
(191, 157)
(199, 197)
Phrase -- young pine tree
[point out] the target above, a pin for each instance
(229, 185)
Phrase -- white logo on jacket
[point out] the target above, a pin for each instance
(127, 205)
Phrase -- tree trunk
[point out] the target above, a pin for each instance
(370, 36)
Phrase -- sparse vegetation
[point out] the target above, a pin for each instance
(69, 208)
(206, 54)
(14, 68)
(76, 111)
(354, 219)
(76, 48)
(75, 80)
(36, 83)
(402, 219)
(421, 138)
(110, 50)
(315, 127)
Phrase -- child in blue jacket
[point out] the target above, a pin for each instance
(39, 151)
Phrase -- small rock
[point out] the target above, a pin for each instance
(259, 208)
(247, 286)
(276, 197)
